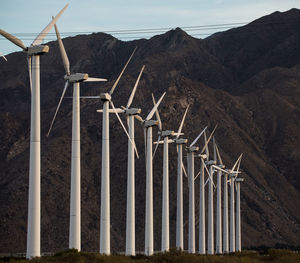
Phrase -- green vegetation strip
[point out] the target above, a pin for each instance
(72, 256)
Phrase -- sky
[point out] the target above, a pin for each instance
(199, 18)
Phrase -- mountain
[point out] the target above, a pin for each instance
(246, 80)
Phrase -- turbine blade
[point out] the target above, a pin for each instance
(219, 156)
(214, 149)
(61, 98)
(134, 88)
(39, 39)
(238, 167)
(197, 138)
(62, 50)
(237, 161)
(127, 120)
(89, 97)
(220, 169)
(197, 175)
(94, 80)
(157, 114)
(13, 39)
(1, 55)
(207, 180)
(151, 113)
(207, 142)
(182, 121)
(117, 114)
(184, 171)
(139, 118)
(206, 148)
(29, 71)
(156, 146)
(119, 77)
(210, 176)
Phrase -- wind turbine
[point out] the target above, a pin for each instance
(1, 55)
(191, 149)
(165, 234)
(202, 197)
(105, 169)
(179, 212)
(75, 78)
(130, 216)
(147, 125)
(232, 177)
(34, 200)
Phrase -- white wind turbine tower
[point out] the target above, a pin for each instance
(202, 247)
(225, 214)
(232, 216)
(191, 149)
(105, 167)
(75, 208)
(1, 55)
(179, 209)
(148, 124)
(219, 209)
(130, 216)
(238, 213)
(225, 206)
(34, 200)
(165, 234)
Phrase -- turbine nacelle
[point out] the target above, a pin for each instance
(77, 77)
(166, 133)
(105, 96)
(192, 148)
(238, 180)
(211, 162)
(37, 50)
(202, 156)
(150, 123)
(132, 111)
(180, 141)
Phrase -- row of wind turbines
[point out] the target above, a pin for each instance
(165, 137)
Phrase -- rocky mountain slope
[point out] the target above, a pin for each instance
(246, 80)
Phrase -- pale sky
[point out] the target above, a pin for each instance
(26, 18)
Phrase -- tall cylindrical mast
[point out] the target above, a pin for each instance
(34, 198)
(232, 217)
(105, 201)
(149, 196)
(219, 215)
(165, 236)
(210, 218)
(74, 232)
(191, 243)
(225, 215)
(202, 247)
(238, 214)
(179, 214)
(130, 218)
